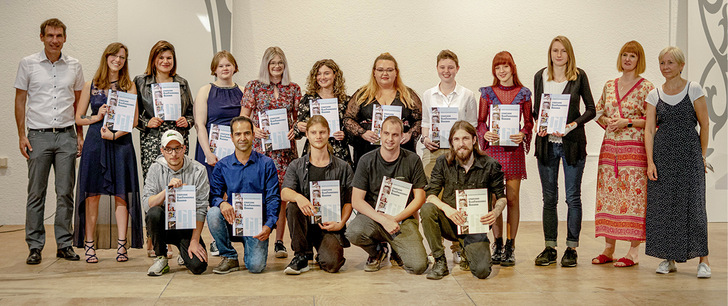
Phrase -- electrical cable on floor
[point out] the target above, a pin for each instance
(20, 229)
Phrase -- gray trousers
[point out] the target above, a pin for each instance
(57, 150)
(367, 233)
(437, 226)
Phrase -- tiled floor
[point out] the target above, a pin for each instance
(62, 282)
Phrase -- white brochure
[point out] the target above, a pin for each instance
(473, 203)
(120, 115)
(329, 108)
(181, 208)
(275, 121)
(167, 102)
(380, 113)
(326, 201)
(220, 143)
(442, 119)
(505, 120)
(248, 214)
(554, 110)
(393, 196)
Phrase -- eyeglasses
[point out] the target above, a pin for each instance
(121, 57)
(382, 70)
(175, 150)
(281, 63)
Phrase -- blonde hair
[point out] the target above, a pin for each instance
(101, 78)
(218, 57)
(318, 119)
(369, 91)
(676, 53)
(636, 48)
(268, 55)
(571, 71)
(159, 48)
(312, 85)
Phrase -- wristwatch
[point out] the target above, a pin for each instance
(630, 123)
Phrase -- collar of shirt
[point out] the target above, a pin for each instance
(457, 92)
(44, 57)
(252, 159)
(479, 162)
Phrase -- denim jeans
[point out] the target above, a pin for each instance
(256, 251)
(477, 246)
(180, 238)
(367, 233)
(549, 172)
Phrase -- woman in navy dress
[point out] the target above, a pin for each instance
(108, 162)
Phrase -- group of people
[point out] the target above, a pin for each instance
(632, 203)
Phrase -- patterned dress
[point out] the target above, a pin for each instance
(107, 167)
(511, 158)
(622, 175)
(260, 97)
(676, 220)
(341, 148)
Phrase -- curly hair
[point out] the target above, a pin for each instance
(312, 86)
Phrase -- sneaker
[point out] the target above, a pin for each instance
(280, 249)
(456, 257)
(374, 263)
(508, 259)
(430, 259)
(298, 265)
(180, 260)
(569, 258)
(547, 257)
(395, 259)
(214, 251)
(703, 270)
(439, 269)
(667, 266)
(497, 253)
(226, 266)
(159, 267)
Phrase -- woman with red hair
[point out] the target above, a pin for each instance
(506, 90)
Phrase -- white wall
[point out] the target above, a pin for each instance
(353, 33)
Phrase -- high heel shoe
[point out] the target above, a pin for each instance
(121, 256)
(87, 247)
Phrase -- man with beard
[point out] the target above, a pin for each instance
(464, 167)
(327, 237)
(246, 171)
(369, 228)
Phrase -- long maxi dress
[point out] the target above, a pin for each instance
(622, 175)
(223, 104)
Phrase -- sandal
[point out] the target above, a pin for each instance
(169, 251)
(121, 256)
(626, 261)
(88, 246)
(601, 259)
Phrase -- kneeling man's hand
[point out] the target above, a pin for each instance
(263, 236)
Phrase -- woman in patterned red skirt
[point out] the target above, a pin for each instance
(506, 90)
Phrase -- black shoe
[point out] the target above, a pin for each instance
(34, 257)
(439, 269)
(497, 253)
(374, 263)
(395, 259)
(280, 249)
(508, 259)
(570, 257)
(547, 257)
(67, 253)
(298, 265)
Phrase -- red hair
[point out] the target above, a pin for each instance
(505, 57)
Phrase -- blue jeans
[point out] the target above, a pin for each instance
(549, 172)
(256, 251)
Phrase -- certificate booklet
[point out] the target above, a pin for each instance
(329, 108)
(553, 112)
(275, 121)
(248, 214)
(505, 120)
(167, 103)
(120, 115)
(473, 203)
(393, 196)
(442, 119)
(326, 200)
(181, 208)
(380, 113)
(220, 143)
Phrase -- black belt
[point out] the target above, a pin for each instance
(54, 130)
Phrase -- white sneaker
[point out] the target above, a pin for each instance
(213, 249)
(159, 267)
(456, 257)
(180, 260)
(703, 270)
(666, 266)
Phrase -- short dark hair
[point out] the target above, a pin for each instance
(53, 23)
(241, 119)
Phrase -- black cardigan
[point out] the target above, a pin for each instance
(575, 141)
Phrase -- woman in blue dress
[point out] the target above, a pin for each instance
(108, 162)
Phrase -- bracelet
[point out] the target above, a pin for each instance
(114, 137)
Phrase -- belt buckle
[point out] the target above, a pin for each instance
(56, 130)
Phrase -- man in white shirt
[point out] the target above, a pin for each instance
(47, 88)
